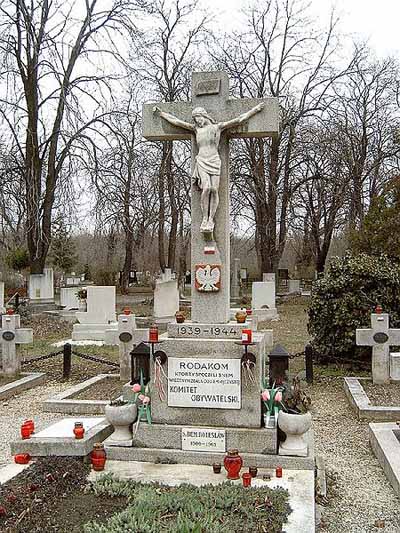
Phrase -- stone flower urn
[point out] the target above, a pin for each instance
(295, 426)
(121, 416)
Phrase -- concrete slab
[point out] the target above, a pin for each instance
(64, 402)
(9, 471)
(299, 484)
(53, 440)
(361, 404)
(384, 439)
(28, 381)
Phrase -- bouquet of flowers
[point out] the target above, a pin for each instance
(272, 400)
(142, 398)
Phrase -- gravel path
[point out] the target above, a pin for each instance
(26, 405)
(359, 495)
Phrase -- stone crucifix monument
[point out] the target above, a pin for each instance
(210, 120)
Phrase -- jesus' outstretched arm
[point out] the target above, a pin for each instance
(173, 120)
(242, 118)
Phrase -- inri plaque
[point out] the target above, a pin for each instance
(210, 383)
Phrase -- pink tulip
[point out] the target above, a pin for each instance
(141, 397)
(146, 400)
(136, 387)
(265, 395)
(278, 397)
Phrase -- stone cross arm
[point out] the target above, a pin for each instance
(263, 124)
(379, 333)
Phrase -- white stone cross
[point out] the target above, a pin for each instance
(380, 337)
(213, 107)
(127, 337)
(12, 334)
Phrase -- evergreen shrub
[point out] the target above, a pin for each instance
(343, 300)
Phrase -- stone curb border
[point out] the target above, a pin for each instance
(361, 404)
(64, 402)
(9, 471)
(386, 446)
(28, 381)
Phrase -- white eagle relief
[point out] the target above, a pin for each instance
(207, 278)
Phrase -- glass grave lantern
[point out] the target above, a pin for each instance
(278, 365)
(140, 362)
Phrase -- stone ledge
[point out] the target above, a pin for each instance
(361, 404)
(29, 381)
(162, 436)
(386, 447)
(193, 330)
(63, 446)
(64, 402)
(174, 456)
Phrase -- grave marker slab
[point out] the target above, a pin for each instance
(41, 287)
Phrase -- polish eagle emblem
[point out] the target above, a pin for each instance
(208, 278)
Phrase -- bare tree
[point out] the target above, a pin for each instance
(53, 92)
(280, 54)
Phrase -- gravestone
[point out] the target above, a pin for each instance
(166, 296)
(41, 287)
(263, 300)
(100, 315)
(2, 307)
(11, 334)
(236, 278)
(269, 276)
(294, 286)
(205, 389)
(380, 337)
(69, 298)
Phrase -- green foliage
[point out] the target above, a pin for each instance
(344, 298)
(18, 259)
(378, 233)
(63, 251)
(224, 508)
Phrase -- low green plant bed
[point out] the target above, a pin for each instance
(224, 508)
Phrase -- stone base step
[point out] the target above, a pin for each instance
(174, 456)
(162, 436)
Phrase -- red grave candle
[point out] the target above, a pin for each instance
(246, 478)
(79, 430)
(22, 458)
(25, 431)
(153, 334)
(278, 471)
(30, 424)
(233, 463)
(98, 457)
(378, 309)
(247, 336)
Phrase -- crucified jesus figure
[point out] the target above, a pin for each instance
(207, 168)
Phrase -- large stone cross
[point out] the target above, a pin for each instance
(211, 252)
(12, 334)
(380, 337)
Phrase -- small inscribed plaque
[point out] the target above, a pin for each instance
(210, 383)
(204, 440)
(208, 87)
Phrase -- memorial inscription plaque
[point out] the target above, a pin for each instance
(204, 439)
(209, 383)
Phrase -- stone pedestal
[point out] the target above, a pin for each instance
(41, 287)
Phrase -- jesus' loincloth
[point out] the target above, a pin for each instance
(210, 166)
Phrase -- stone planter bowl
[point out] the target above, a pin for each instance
(294, 426)
(121, 418)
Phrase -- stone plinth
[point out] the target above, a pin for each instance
(41, 287)
(190, 351)
(294, 286)
(69, 298)
(166, 298)
(93, 332)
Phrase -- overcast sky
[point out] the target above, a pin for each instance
(376, 20)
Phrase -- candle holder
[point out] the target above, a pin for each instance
(246, 478)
